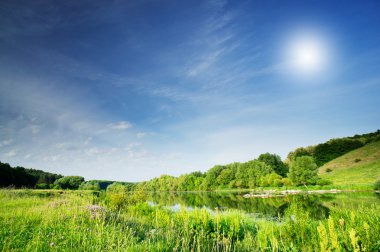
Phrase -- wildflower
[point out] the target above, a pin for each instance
(341, 222)
(366, 226)
(52, 244)
(96, 211)
(354, 240)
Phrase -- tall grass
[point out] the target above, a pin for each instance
(69, 221)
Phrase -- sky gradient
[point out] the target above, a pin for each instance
(130, 90)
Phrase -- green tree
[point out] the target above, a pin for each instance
(334, 148)
(117, 195)
(275, 162)
(303, 170)
(272, 179)
(249, 174)
(190, 182)
(299, 152)
(69, 182)
(225, 177)
(209, 181)
(90, 185)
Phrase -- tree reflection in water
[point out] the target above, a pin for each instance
(262, 207)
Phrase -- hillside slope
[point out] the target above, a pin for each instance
(360, 166)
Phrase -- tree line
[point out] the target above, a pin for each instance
(325, 152)
(267, 170)
(23, 177)
(299, 168)
(20, 177)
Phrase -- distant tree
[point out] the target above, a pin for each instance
(69, 182)
(225, 177)
(89, 185)
(209, 181)
(17, 177)
(275, 162)
(42, 186)
(167, 183)
(272, 179)
(249, 174)
(190, 182)
(22, 177)
(117, 195)
(299, 152)
(303, 170)
(334, 148)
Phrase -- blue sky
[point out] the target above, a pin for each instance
(130, 90)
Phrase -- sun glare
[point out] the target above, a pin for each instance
(306, 55)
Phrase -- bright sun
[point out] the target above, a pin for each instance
(306, 55)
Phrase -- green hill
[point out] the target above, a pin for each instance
(360, 166)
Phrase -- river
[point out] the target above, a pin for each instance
(318, 205)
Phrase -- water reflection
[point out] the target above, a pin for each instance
(318, 206)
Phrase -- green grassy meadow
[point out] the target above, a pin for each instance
(358, 167)
(34, 220)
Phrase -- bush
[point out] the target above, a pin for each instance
(322, 182)
(377, 185)
(42, 186)
(286, 182)
(90, 185)
(117, 196)
(69, 182)
(303, 171)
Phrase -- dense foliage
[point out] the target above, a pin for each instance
(275, 162)
(251, 174)
(303, 170)
(69, 182)
(325, 152)
(377, 185)
(97, 185)
(22, 177)
(334, 148)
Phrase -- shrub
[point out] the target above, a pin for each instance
(322, 182)
(69, 182)
(286, 182)
(42, 186)
(377, 185)
(116, 195)
(90, 185)
(303, 171)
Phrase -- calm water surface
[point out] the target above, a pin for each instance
(270, 208)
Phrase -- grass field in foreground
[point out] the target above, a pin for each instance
(358, 167)
(69, 221)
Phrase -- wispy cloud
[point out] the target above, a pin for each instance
(123, 125)
(204, 63)
(11, 153)
(6, 142)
